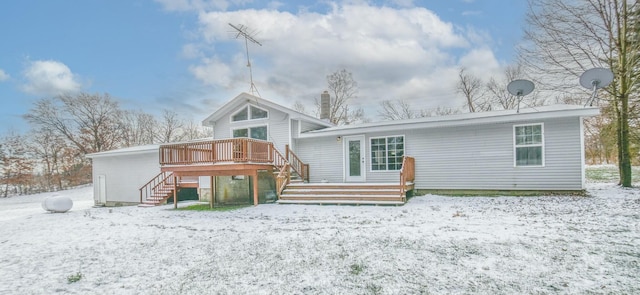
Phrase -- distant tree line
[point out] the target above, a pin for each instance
(64, 129)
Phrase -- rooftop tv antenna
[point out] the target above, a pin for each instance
(520, 88)
(243, 31)
(595, 79)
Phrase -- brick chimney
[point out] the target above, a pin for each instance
(325, 105)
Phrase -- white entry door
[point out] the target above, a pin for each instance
(354, 151)
(102, 190)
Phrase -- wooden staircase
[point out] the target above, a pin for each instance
(344, 193)
(157, 191)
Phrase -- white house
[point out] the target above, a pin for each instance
(538, 149)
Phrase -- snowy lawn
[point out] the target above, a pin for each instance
(432, 245)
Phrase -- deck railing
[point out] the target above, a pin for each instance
(236, 150)
(407, 174)
(283, 179)
(296, 164)
(151, 187)
(216, 151)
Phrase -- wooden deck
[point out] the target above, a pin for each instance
(245, 156)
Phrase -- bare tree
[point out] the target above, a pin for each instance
(89, 121)
(343, 88)
(500, 96)
(299, 107)
(568, 37)
(170, 127)
(16, 165)
(439, 111)
(192, 131)
(397, 110)
(48, 147)
(137, 127)
(471, 87)
(400, 109)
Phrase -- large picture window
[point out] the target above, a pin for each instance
(249, 113)
(387, 153)
(528, 145)
(258, 132)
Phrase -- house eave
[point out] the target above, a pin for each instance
(457, 120)
(126, 151)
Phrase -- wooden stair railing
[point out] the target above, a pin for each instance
(286, 165)
(283, 179)
(284, 176)
(407, 174)
(159, 186)
(298, 166)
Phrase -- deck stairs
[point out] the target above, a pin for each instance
(159, 196)
(157, 191)
(344, 193)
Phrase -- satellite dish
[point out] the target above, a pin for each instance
(595, 79)
(520, 88)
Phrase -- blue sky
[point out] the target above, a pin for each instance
(181, 55)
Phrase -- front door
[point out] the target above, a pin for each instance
(102, 189)
(354, 158)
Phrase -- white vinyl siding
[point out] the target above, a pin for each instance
(324, 156)
(528, 145)
(466, 157)
(445, 161)
(125, 174)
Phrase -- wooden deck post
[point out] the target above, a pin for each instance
(212, 195)
(255, 187)
(175, 192)
(286, 152)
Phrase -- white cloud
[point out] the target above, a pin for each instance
(191, 51)
(49, 77)
(406, 53)
(213, 72)
(481, 62)
(4, 76)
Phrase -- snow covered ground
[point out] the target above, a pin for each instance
(432, 245)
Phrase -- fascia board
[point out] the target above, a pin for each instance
(446, 122)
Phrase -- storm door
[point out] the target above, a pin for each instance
(354, 158)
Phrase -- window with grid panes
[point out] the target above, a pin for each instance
(387, 153)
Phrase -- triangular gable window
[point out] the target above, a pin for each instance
(257, 113)
(249, 113)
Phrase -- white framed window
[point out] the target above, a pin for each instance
(255, 132)
(528, 145)
(249, 112)
(386, 152)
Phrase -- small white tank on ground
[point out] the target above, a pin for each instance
(57, 204)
